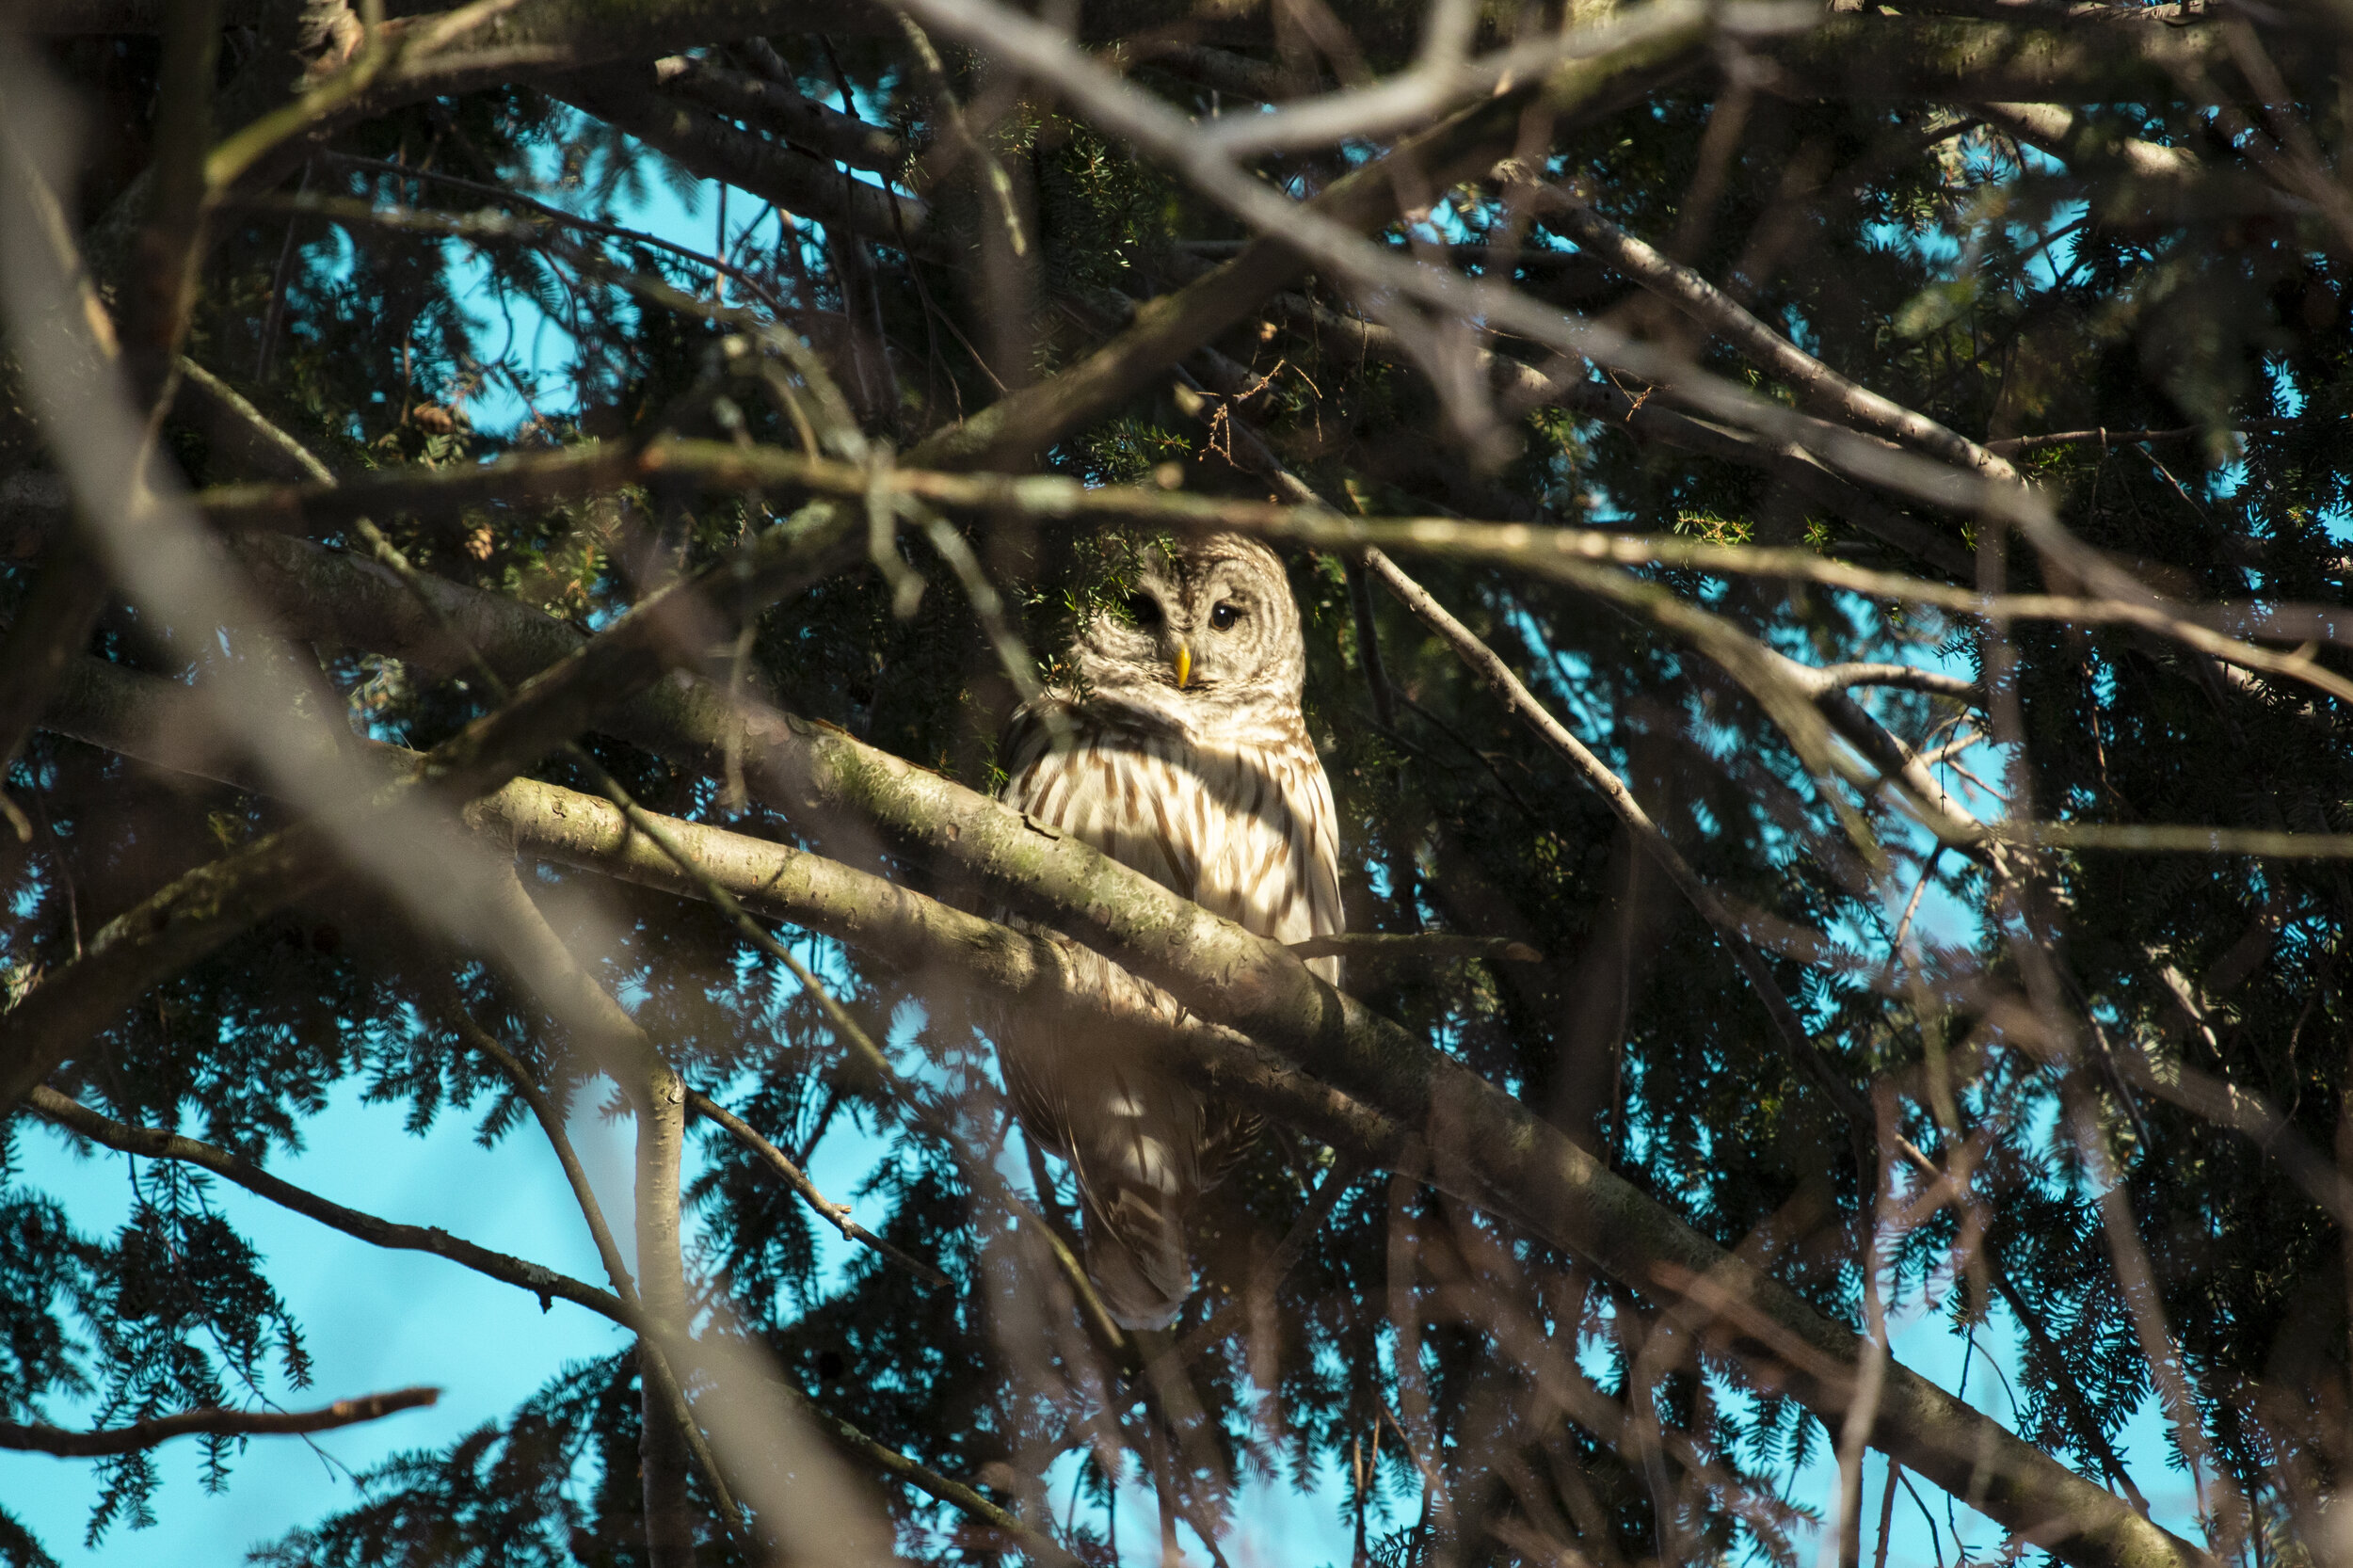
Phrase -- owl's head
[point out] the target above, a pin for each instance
(1204, 622)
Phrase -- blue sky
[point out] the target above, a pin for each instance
(377, 1320)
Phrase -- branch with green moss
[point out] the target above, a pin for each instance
(1576, 556)
(1284, 1040)
(2101, 55)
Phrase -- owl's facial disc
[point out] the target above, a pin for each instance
(1224, 623)
(1202, 631)
(1165, 639)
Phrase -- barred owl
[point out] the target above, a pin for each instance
(1184, 755)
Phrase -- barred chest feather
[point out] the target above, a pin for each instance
(1243, 825)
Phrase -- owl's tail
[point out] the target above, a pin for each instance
(1133, 1139)
(1137, 1253)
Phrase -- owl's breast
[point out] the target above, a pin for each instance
(1247, 831)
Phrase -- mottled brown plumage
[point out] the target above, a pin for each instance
(1184, 755)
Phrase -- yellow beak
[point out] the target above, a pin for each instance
(1184, 664)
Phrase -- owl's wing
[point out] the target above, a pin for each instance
(1131, 1135)
(1319, 870)
(1271, 851)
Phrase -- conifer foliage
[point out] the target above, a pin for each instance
(1823, 540)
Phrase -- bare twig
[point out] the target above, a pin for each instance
(836, 1214)
(154, 1143)
(212, 1423)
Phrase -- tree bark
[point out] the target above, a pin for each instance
(661, 1097)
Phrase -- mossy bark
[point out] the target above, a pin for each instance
(1310, 1053)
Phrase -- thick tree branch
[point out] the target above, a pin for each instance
(187, 919)
(663, 1444)
(212, 1423)
(949, 953)
(1368, 1087)
(1394, 1092)
(1486, 1146)
(827, 132)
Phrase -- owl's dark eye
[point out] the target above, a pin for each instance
(1226, 616)
(1144, 610)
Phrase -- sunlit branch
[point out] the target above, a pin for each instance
(1568, 554)
(1486, 1146)
(953, 950)
(539, 958)
(1830, 678)
(551, 1120)
(1489, 1149)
